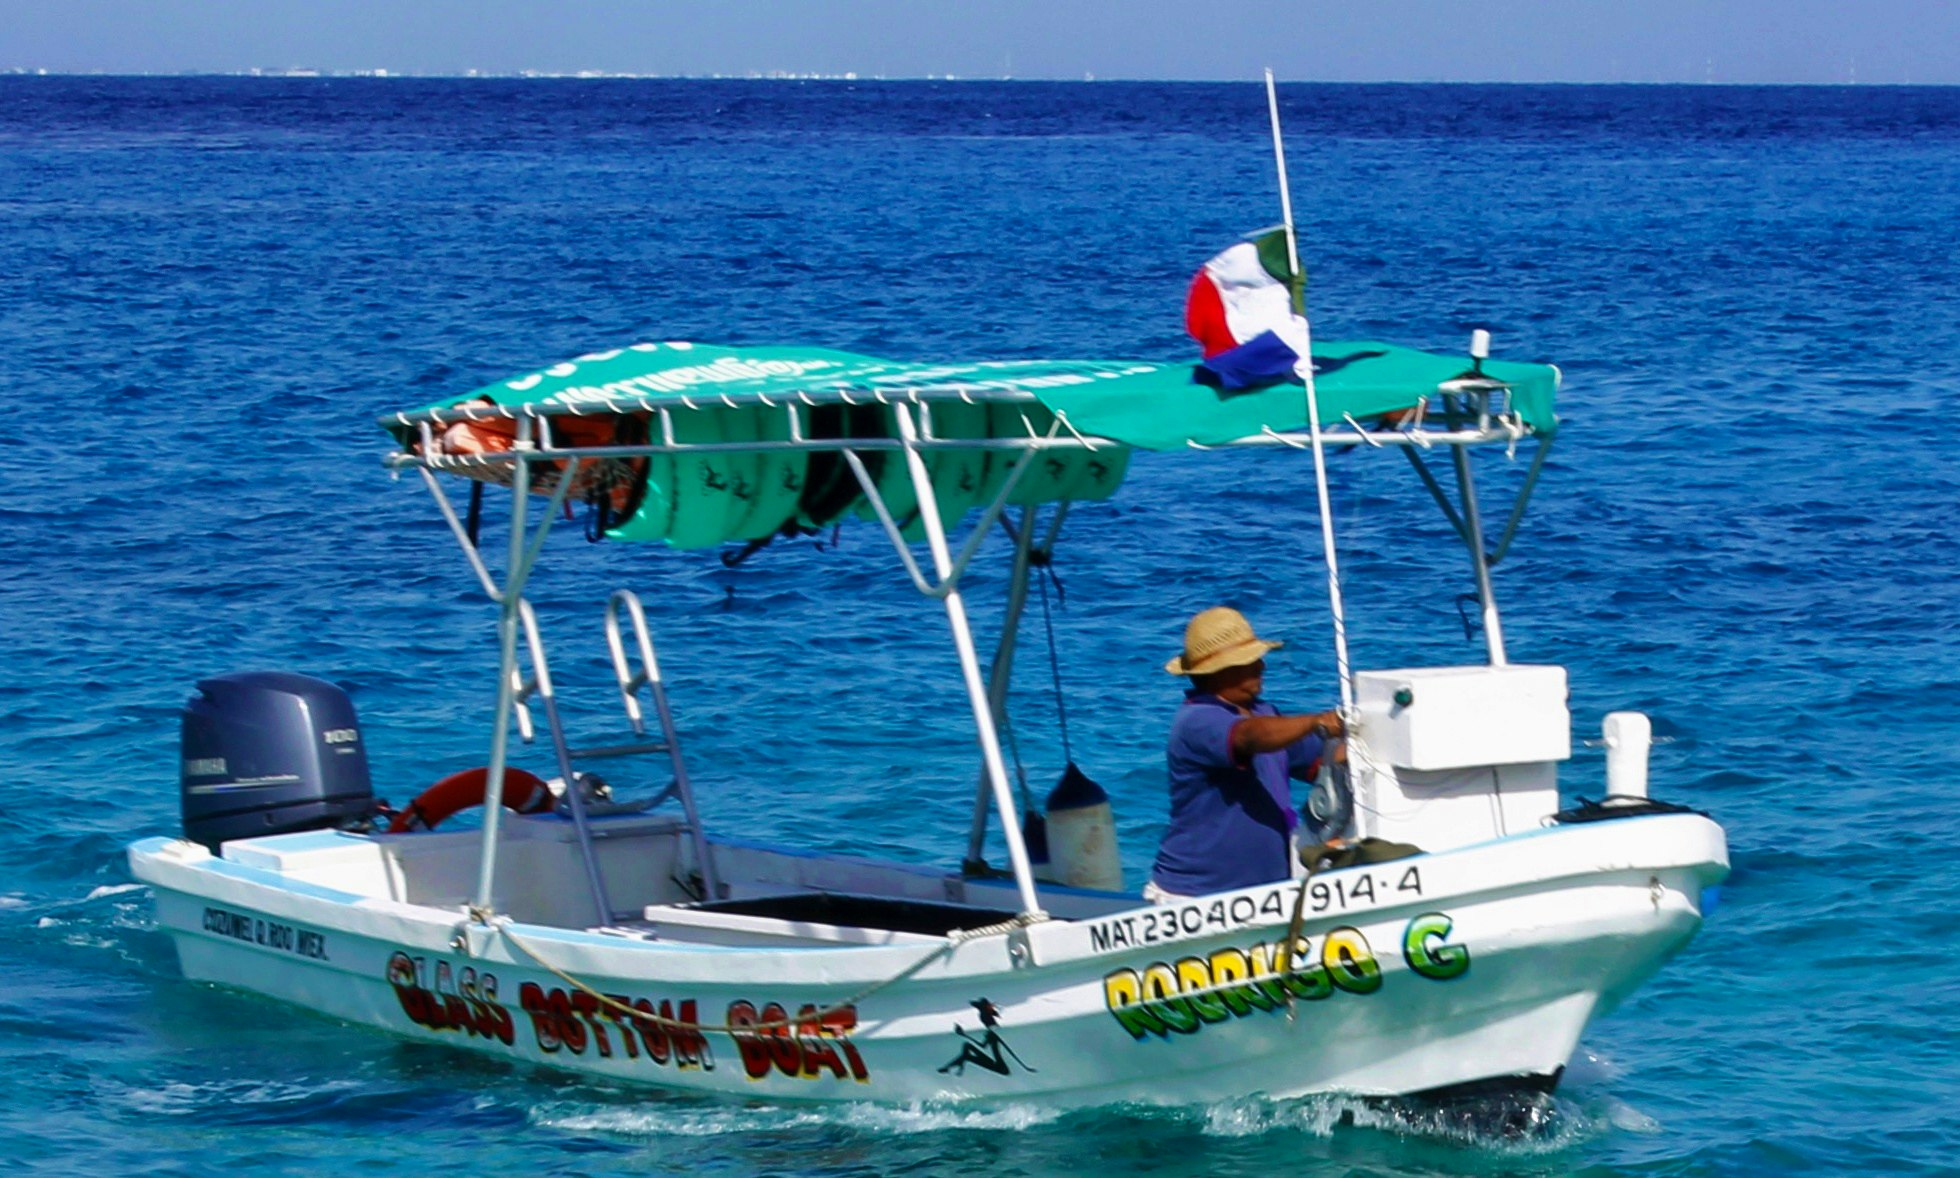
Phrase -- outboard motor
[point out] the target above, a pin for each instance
(268, 752)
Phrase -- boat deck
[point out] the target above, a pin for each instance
(771, 895)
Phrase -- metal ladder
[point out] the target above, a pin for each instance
(568, 757)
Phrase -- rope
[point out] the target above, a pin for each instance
(1019, 920)
(952, 939)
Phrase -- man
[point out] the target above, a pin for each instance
(1230, 754)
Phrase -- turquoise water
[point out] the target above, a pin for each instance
(1746, 529)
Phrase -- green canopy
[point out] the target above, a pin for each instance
(1140, 403)
(742, 399)
(1165, 409)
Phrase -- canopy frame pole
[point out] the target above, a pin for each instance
(1001, 673)
(1305, 369)
(976, 691)
(462, 535)
(507, 625)
(1347, 434)
(522, 559)
(949, 577)
(1510, 532)
(1436, 492)
(1473, 539)
(517, 618)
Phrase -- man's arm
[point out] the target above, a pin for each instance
(1266, 734)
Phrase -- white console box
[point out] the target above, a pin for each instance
(1461, 717)
(1471, 756)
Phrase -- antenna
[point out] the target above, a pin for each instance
(1305, 370)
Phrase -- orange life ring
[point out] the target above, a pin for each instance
(524, 792)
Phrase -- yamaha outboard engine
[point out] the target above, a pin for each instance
(267, 752)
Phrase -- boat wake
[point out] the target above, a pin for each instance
(1532, 1121)
(708, 1119)
(1512, 1123)
(238, 1101)
(114, 918)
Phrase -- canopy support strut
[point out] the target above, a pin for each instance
(509, 599)
(1450, 513)
(525, 545)
(976, 690)
(949, 578)
(999, 675)
(517, 622)
(1473, 538)
(1026, 552)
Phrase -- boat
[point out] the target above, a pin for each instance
(1462, 936)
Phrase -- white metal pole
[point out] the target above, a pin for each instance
(1003, 669)
(1313, 418)
(507, 624)
(1286, 205)
(976, 689)
(1473, 535)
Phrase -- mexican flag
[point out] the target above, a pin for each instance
(1240, 310)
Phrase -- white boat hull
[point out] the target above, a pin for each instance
(1479, 964)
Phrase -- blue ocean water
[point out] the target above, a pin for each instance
(213, 287)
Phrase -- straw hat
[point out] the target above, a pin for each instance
(1217, 639)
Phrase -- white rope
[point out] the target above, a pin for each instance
(1020, 920)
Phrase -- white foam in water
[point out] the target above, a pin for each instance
(82, 937)
(1523, 1124)
(1589, 1066)
(1624, 1116)
(179, 1099)
(172, 1099)
(114, 890)
(708, 1120)
(1319, 1116)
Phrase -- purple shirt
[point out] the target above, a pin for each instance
(1230, 822)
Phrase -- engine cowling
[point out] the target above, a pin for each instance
(270, 752)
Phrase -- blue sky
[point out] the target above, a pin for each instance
(1799, 41)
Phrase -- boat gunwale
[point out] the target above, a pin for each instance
(1666, 842)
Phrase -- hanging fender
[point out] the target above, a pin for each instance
(524, 792)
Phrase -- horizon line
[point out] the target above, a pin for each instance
(301, 73)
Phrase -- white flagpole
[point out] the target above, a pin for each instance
(1313, 416)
